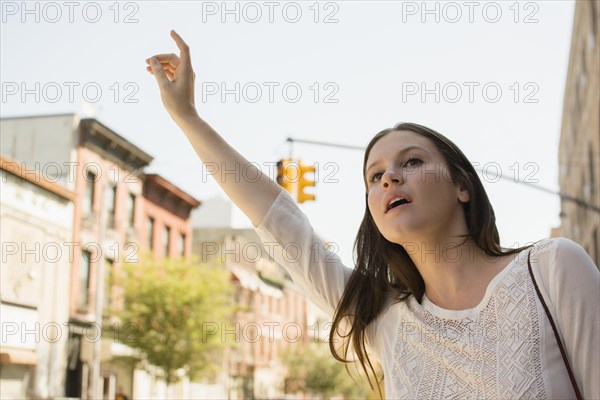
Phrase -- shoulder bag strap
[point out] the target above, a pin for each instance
(558, 341)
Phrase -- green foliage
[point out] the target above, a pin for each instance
(177, 310)
(312, 369)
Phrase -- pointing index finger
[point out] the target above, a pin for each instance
(183, 47)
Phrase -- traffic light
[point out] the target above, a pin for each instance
(283, 175)
(304, 182)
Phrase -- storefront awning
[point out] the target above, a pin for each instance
(253, 282)
(18, 356)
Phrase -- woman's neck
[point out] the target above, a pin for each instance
(456, 275)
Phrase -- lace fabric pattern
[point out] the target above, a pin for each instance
(493, 353)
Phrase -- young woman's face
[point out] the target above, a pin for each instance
(411, 195)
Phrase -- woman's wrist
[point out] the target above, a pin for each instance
(187, 119)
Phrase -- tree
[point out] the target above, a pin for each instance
(176, 310)
(313, 369)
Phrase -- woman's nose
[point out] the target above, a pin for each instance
(391, 177)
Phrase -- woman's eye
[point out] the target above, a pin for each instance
(413, 162)
(376, 176)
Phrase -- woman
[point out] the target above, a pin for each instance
(433, 297)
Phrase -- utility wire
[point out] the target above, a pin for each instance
(563, 196)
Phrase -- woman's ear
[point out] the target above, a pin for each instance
(463, 194)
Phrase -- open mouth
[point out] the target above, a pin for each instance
(397, 203)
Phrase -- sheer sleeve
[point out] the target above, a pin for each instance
(572, 286)
(290, 240)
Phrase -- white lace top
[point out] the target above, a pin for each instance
(503, 348)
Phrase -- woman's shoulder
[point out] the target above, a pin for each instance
(556, 249)
(559, 260)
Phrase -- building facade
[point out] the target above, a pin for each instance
(36, 231)
(85, 190)
(272, 314)
(108, 227)
(165, 231)
(166, 215)
(579, 150)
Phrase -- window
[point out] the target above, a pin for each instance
(150, 233)
(250, 299)
(88, 199)
(84, 279)
(111, 199)
(592, 172)
(582, 82)
(237, 295)
(182, 244)
(594, 32)
(595, 241)
(108, 283)
(131, 209)
(166, 240)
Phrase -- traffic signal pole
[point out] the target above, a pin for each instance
(563, 196)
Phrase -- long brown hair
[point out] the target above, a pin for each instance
(385, 269)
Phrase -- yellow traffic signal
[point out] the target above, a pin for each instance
(283, 175)
(304, 182)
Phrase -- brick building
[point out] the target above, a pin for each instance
(273, 314)
(579, 150)
(94, 183)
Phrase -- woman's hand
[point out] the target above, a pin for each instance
(175, 79)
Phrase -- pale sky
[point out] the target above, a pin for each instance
(497, 69)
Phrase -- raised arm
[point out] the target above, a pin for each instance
(175, 78)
